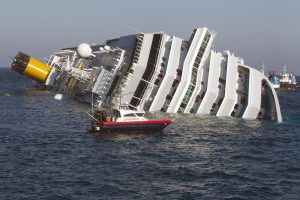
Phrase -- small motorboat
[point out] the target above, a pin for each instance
(125, 119)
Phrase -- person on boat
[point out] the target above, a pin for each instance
(100, 115)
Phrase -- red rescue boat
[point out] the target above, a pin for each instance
(126, 120)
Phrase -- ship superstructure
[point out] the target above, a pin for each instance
(158, 72)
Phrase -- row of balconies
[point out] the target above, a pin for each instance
(148, 73)
(194, 75)
(138, 47)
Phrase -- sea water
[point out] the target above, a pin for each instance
(46, 153)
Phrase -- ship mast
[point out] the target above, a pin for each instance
(284, 69)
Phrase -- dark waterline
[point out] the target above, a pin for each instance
(46, 153)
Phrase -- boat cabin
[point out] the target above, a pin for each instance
(124, 113)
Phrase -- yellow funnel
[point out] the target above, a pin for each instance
(30, 67)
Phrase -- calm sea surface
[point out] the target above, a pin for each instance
(46, 153)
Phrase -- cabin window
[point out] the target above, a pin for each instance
(179, 72)
(156, 82)
(140, 114)
(202, 95)
(174, 82)
(169, 97)
(236, 106)
(222, 80)
(220, 101)
(197, 98)
(130, 115)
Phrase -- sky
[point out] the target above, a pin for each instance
(260, 31)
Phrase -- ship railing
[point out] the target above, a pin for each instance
(208, 47)
(201, 64)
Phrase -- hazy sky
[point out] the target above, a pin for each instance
(257, 30)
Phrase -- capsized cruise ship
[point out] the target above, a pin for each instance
(158, 72)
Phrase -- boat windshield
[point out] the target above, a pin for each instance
(124, 107)
(130, 115)
(140, 114)
(134, 114)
